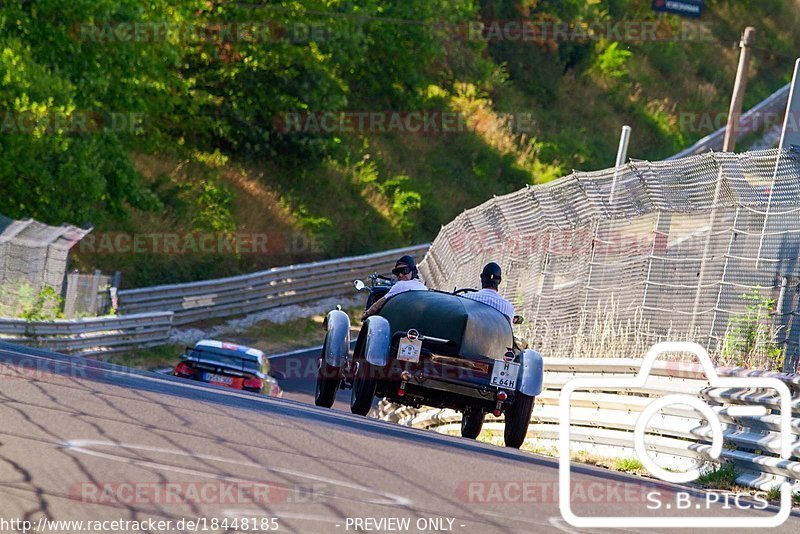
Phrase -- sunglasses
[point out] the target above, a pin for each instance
(397, 271)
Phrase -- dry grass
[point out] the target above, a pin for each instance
(497, 131)
(605, 333)
(608, 333)
(258, 208)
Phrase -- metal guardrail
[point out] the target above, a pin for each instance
(259, 291)
(149, 314)
(749, 122)
(92, 336)
(602, 422)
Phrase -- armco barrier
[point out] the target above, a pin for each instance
(602, 422)
(148, 314)
(260, 291)
(90, 337)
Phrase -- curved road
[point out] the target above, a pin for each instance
(85, 441)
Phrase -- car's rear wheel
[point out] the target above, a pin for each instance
(364, 385)
(471, 422)
(518, 418)
(328, 378)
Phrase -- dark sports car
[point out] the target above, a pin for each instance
(436, 349)
(229, 365)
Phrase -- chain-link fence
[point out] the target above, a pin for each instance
(89, 295)
(607, 263)
(33, 256)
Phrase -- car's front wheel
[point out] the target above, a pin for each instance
(518, 417)
(471, 423)
(364, 385)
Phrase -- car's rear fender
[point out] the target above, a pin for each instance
(378, 339)
(337, 340)
(531, 373)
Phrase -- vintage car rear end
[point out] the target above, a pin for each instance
(436, 349)
(462, 341)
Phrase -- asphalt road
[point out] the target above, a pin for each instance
(299, 368)
(89, 442)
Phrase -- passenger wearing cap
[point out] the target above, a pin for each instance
(407, 280)
(490, 281)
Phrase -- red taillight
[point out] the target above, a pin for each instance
(184, 369)
(252, 384)
(497, 413)
(502, 396)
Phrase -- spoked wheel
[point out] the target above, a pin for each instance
(518, 418)
(471, 423)
(328, 378)
(364, 385)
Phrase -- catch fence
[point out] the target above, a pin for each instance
(605, 264)
(33, 256)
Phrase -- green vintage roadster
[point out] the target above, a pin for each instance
(435, 349)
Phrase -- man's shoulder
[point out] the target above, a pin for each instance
(497, 297)
(406, 285)
(490, 293)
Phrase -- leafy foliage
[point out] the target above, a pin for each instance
(721, 477)
(86, 86)
(613, 61)
(27, 303)
(751, 337)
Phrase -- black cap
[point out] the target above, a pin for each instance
(409, 261)
(491, 275)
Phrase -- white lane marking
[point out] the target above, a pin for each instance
(84, 446)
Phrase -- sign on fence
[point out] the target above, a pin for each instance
(687, 8)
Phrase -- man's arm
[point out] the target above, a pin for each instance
(375, 308)
(378, 304)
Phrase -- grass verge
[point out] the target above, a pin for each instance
(720, 478)
(272, 338)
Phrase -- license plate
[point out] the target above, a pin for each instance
(409, 350)
(504, 374)
(221, 379)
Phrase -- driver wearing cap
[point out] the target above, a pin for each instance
(407, 280)
(490, 281)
